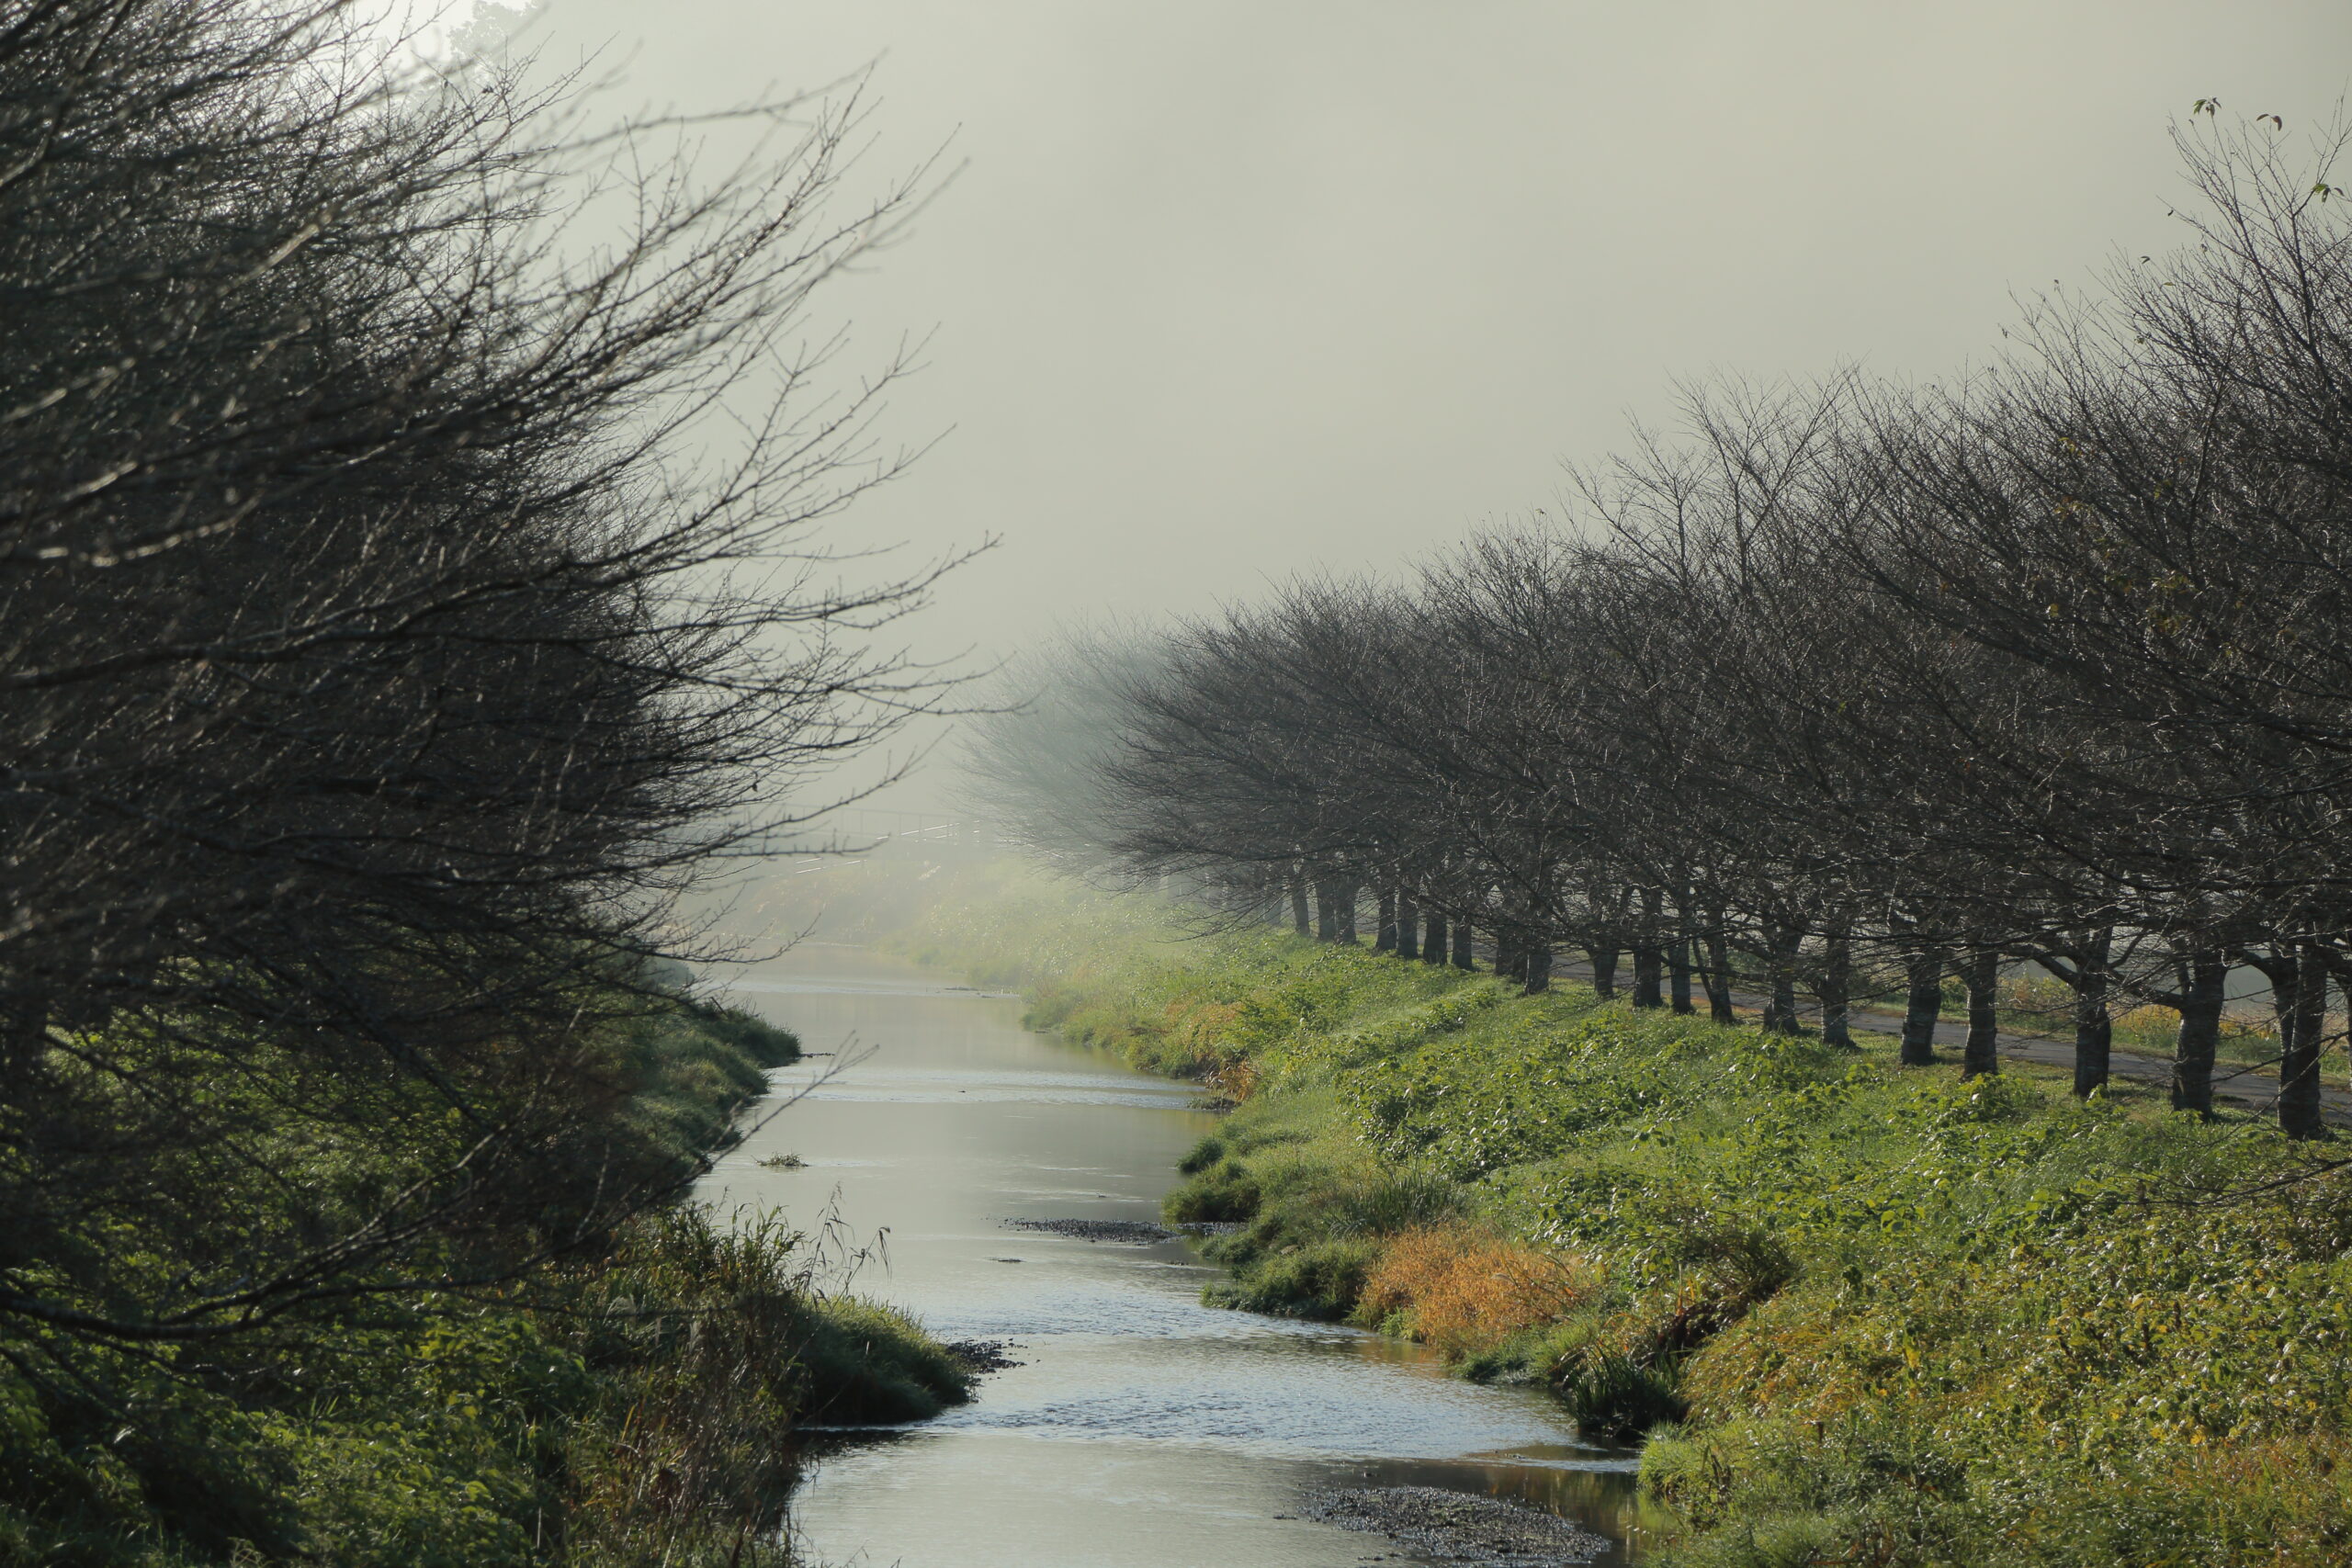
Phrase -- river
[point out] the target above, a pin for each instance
(1142, 1428)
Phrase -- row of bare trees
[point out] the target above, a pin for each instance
(1855, 686)
(378, 663)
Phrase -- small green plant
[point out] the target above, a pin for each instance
(1224, 1193)
(1613, 1397)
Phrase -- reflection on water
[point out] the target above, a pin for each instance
(1143, 1429)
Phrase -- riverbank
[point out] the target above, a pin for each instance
(1863, 1312)
(633, 1399)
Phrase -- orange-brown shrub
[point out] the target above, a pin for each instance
(1466, 1290)
(1236, 1080)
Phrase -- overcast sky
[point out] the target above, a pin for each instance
(1228, 290)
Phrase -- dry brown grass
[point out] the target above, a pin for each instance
(1465, 1291)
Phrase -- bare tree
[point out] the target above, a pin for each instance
(378, 668)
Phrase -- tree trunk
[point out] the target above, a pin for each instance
(1925, 1002)
(1327, 911)
(1463, 956)
(1301, 917)
(23, 1037)
(2202, 974)
(1718, 977)
(1538, 970)
(1836, 991)
(2277, 966)
(2093, 1028)
(1678, 970)
(1980, 972)
(1511, 959)
(2299, 1098)
(1385, 941)
(1781, 980)
(1604, 973)
(1408, 926)
(1433, 939)
(1347, 921)
(1650, 959)
(1649, 972)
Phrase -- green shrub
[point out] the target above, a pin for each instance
(1201, 1156)
(867, 1364)
(1613, 1397)
(1222, 1194)
(1321, 1282)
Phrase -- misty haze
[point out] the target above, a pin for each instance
(1116, 786)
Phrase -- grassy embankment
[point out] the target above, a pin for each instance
(629, 1405)
(1865, 1314)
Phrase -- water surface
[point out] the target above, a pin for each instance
(1143, 1427)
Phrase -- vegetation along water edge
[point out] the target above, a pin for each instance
(1861, 1312)
(632, 1398)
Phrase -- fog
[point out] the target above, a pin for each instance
(1227, 291)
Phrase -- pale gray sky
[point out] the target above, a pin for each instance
(1230, 288)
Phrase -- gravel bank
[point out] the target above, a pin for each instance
(980, 1356)
(1455, 1526)
(1134, 1233)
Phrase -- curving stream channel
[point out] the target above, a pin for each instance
(1141, 1427)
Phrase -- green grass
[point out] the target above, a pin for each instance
(1864, 1314)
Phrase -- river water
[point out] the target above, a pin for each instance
(1142, 1428)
